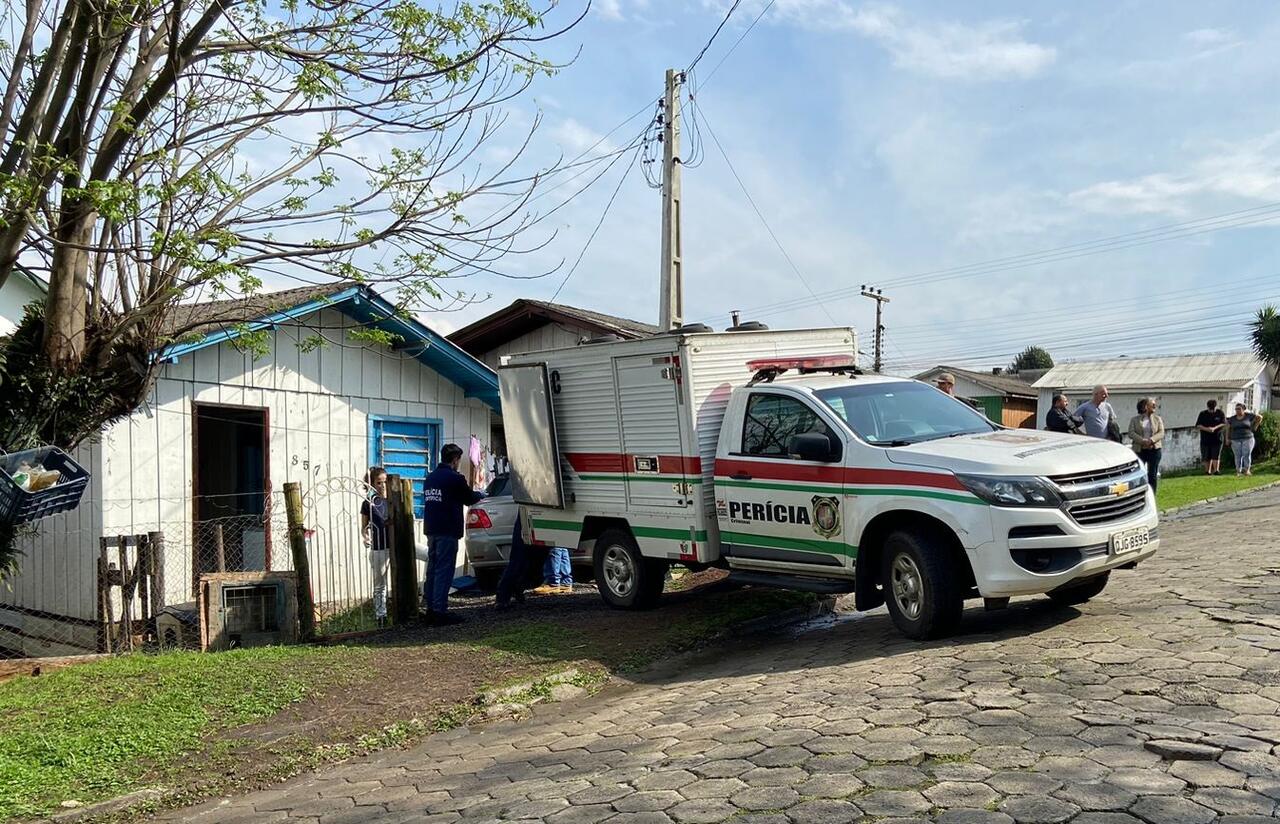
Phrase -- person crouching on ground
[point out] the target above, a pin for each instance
(557, 573)
(445, 494)
(1146, 434)
(374, 514)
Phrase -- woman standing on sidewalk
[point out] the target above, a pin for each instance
(1241, 427)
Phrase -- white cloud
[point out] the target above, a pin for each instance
(618, 10)
(1209, 37)
(1247, 170)
(990, 50)
(1208, 42)
(575, 138)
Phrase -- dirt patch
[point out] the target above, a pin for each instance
(422, 679)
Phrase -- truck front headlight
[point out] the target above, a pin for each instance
(1009, 491)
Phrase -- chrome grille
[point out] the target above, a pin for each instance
(1095, 475)
(1101, 511)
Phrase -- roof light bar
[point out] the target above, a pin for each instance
(803, 362)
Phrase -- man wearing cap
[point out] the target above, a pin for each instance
(946, 383)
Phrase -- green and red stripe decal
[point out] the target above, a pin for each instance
(840, 480)
(620, 466)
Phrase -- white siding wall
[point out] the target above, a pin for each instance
(550, 336)
(16, 293)
(1178, 409)
(318, 405)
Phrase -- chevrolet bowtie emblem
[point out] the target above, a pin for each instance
(1118, 489)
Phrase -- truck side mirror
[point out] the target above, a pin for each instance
(814, 446)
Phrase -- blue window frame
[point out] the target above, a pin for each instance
(408, 447)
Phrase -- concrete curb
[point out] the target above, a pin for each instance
(1217, 498)
(111, 805)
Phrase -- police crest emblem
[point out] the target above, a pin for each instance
(826, 515)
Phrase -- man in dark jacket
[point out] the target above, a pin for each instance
(1058, 419)
(446, 493)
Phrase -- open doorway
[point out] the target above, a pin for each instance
(231, 483)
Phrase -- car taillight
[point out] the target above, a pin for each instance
(478, 519)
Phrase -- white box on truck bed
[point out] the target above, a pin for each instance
(637, 424)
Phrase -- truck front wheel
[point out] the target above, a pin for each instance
(921, 585)
(626, 579)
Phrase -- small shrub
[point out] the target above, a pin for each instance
(1268, 436)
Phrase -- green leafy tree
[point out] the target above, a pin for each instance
(1264, 333)
(1033, 357)
(158, 150)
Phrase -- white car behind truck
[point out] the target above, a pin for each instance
(768, 453)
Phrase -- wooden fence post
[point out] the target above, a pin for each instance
(301, 565)
(219, 549)
(404, 568)
(156, 542)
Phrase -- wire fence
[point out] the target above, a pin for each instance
(217, 573)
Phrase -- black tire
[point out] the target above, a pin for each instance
(625, 578)
(922, 585)
(1081, 592)
(487, 578)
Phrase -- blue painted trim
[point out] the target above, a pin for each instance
(437, 436)
(176, 350)
(359, 302)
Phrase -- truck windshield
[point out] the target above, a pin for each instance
(899, 414)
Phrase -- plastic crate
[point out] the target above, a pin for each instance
(18, 506)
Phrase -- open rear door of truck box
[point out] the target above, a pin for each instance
(530, 426)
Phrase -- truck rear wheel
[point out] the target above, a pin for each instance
(1081, 592)
(921, 585)
(625, 578)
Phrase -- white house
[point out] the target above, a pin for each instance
(220, 434)
(21, 289)
(1180, 384)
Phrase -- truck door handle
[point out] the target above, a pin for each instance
(740, 476)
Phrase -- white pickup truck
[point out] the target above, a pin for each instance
(768, 453)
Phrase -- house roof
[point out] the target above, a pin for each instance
(1004, 384)
(194, 326)
(525, 315)
(32, 278)
(1217, 370)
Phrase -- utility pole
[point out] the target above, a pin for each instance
(671, 291)
(878, 296)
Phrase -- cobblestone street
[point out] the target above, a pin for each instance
(1156, 702)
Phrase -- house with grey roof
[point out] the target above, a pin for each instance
(1180, 384)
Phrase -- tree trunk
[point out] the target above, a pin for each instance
(67, 307)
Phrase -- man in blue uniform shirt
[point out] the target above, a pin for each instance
(445, 495)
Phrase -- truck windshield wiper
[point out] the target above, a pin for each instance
(898, 443)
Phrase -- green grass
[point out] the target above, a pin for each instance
(1180, 490)
(95, 730)
(352, 619)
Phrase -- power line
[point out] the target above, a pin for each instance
(760, 215)
(714, 35)
(1229, 220)
(732, 48)
(625, 174)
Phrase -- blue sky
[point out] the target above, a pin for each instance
(885, 141)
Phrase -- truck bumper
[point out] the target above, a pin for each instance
(1034, 550)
